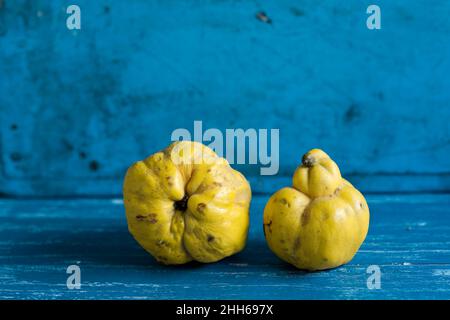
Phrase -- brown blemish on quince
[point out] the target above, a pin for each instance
(305, 217)
(297, 243)
(201, 207)
(151, 217)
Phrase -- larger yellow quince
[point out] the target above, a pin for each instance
(186, 203)
(321, 221)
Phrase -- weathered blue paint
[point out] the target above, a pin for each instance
(409, 239)
(78, 107)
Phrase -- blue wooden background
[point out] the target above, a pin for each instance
(78, 107)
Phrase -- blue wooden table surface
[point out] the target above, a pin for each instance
(409, 239)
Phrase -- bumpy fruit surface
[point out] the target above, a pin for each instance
(186, 203)
(321, 221)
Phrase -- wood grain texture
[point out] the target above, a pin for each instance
(409, 238)
(77, 108)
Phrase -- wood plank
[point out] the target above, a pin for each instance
(409, 238)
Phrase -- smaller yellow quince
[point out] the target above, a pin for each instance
(321, 221)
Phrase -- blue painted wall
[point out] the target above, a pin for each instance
(78, 107)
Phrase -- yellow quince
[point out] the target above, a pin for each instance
(321, 221)
(186, 203)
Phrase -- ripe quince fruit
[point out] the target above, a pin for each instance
(321, 221)
(186, 203)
